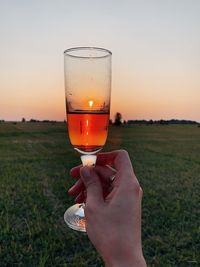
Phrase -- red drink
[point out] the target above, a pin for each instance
(88, 131)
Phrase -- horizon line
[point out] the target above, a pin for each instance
(64, 120)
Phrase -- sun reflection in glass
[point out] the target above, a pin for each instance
(91, 103)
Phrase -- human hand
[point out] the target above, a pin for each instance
(113, 209)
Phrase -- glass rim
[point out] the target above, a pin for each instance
(106, 51)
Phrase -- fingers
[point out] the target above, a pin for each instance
(121, 162)
(75, 172)
(125, 182)
(105, 174)
(125, 178)
(93, 185)
(81, 197)
(119, 159)
(105, 171)
(76, 188)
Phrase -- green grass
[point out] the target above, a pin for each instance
(35, 160)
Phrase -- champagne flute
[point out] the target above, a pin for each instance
(87, 90)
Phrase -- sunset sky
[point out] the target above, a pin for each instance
(155, 46)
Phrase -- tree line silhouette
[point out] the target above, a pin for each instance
(118, 121)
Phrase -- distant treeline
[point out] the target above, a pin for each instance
(160, 122)
(128, 122)
(45, 121)
(32, 121)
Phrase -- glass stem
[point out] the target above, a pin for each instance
(88, 160)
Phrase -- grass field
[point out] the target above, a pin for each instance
(35, 160)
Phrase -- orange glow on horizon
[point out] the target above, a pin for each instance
(135, 107)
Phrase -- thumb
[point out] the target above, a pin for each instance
(92, 184)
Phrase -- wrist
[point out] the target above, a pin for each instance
(135, 262)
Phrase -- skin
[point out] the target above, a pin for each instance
(113, 208)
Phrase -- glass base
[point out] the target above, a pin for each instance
(75, 218)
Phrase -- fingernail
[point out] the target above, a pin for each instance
(85, 171)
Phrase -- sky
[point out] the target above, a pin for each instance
(155, 62)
